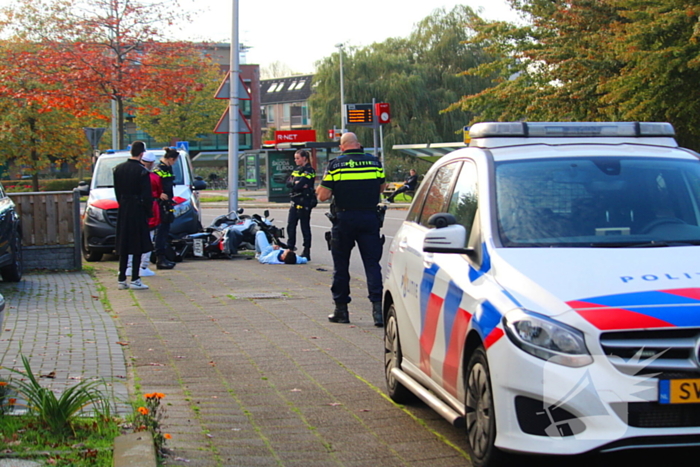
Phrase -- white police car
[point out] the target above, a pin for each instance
(544, 290)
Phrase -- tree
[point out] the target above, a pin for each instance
(592, 60)
(39, 123)
(182, 113)
(418, 76)
(106, 49)
(276, 69)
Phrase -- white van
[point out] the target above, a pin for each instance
(99, 220)
(544, 290)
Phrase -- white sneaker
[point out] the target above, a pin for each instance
(122, 285)
(145, 272)
(138, 285)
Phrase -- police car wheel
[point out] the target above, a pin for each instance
(480, 413)
(392, 359)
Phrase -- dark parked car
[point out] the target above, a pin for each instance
(10, 240)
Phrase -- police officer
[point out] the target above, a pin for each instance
(164, 170)
(301, 183)
(355, 180)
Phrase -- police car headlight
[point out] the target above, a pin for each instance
(182, 208)
(96, 213)
(546, 338)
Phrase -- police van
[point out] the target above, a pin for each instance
(544, 290)
(99, 219)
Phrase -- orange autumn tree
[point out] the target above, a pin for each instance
(40, 122)
(104, 51)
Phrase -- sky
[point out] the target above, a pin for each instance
(298, 33)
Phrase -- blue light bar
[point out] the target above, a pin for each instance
(571, 129)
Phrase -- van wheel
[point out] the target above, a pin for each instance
(392, 359)
(13, 271)
(480, 413)
(89, 254)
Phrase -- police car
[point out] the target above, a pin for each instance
(544, 290)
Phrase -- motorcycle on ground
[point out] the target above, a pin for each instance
(227, 234)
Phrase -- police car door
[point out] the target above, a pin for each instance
(419, 271)
(449, 289)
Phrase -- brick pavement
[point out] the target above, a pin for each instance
(254, 374)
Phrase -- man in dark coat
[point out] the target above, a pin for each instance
(133, 189)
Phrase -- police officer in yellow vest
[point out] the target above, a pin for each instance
(355, 180)
(301, 183)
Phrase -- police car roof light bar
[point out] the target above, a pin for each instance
(571, 129)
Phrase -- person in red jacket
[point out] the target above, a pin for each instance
(149, 160)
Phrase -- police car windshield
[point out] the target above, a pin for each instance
(104, 177)
(598, 201)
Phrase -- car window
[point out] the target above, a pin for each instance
(417, 205)
(598, 201)
(436, 196)
(464, 201)
(104, 177)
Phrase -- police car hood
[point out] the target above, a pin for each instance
(613, 289)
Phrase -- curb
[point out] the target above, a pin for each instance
(134, 450)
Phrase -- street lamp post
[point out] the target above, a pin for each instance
(342, 91)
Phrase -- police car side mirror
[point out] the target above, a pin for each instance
(441, 219)
(448, 239)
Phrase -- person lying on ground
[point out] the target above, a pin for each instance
(273, 254)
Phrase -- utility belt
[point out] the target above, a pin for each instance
(332, 215)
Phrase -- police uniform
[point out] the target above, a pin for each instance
(303, 200)
(355, 179)
(165, 172)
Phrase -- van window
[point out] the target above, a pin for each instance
(598, 201)
(104, 177)
(436, 196)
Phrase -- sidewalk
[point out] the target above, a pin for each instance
(253, 372)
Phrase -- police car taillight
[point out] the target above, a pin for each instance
(570, 129)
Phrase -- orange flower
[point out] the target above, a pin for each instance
(147, 396)
(155, 395)
(143, 410)
(12, 401)
(167, 436)
(3, 383)
(160, 395)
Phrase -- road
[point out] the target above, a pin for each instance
(319, 225)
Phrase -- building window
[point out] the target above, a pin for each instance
(287, 113)
(270, 114)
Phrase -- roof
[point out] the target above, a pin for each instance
(282, 90)
(428, 151)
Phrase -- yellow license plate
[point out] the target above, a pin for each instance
(679, 391)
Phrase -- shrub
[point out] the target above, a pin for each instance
(58, 413)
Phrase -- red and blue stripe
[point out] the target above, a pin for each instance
(639, 310)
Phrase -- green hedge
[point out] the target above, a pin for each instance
(59, 184)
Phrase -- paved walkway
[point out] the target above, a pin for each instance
(58, 321)
(254, 374)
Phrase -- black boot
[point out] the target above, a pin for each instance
(163, 263)
(306, 253)
(377, 314)
(340, 314)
